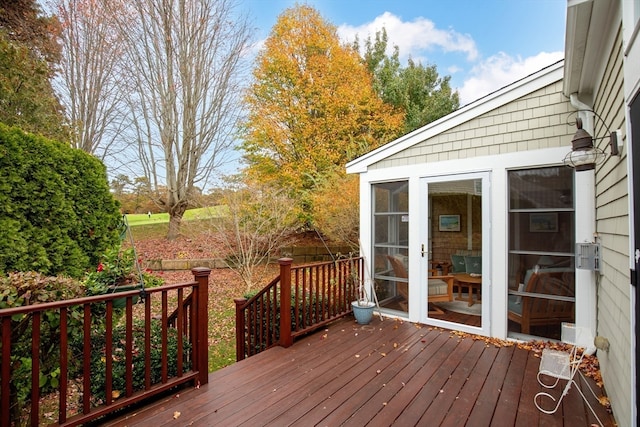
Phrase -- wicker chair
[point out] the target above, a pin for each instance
(440, 287)
(529, 311)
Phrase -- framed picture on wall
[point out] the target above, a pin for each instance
(449, 223)
(543, 222)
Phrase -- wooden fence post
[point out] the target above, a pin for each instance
(201, 356)
(240, 329)
(286, 340)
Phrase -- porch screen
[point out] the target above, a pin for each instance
(390, 243)
(541, 251)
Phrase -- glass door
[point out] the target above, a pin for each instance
(454, 260)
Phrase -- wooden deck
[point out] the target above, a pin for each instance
(386, 373)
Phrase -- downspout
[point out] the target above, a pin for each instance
(585, 228)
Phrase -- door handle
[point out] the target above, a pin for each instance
(422, 252)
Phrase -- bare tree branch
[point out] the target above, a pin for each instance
(91, 69)
(184, 62)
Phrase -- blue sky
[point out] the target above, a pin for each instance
(482, 44)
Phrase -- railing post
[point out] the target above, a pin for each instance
(240, 329)
(201, 356)
(286, 340)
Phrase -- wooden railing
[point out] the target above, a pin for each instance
(181, 307)
(301, 299)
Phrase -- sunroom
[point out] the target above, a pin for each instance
(471, 222)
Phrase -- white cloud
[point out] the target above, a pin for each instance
(454, 69)
(501, 70)
(412, 37)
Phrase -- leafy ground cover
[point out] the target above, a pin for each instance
(224, 285)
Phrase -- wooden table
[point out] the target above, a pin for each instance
(471, 282)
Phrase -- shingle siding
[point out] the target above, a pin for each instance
(529, 123)
(612, 226)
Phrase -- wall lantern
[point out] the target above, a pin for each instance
(584, 155)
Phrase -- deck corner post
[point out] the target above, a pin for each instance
(286, 340)
(201, 362)
(240, 328)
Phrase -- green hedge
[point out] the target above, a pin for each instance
(57, 216)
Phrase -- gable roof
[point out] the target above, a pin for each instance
(503, 96)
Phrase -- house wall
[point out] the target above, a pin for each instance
(519, 128)
(447, 243)
(535, 121)
(612, 226)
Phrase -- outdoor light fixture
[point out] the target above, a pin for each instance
(584, 155)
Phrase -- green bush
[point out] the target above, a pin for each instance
(117, 267)
(99, 352)
(57, 216)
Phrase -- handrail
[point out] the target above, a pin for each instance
(300, 300)
(188, 315)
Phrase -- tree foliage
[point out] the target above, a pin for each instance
(22, 21)
(416, 89)
(311, 106)
(26, 97)
(57, 215)
(28, 54)
(336, 209)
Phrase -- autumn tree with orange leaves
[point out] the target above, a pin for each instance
(311, 108)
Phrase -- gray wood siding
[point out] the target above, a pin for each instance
(537, 120)
(612, 226)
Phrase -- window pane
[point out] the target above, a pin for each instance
(546, 188)
(390, 243)
(541, 251)
(546, 231)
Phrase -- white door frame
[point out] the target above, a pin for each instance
(422, 262)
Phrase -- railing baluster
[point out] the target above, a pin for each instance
(147, 343)
(35, 369)
(108, 354)
(165, 345)
(285, 302)
(86, 362)
(179, 327)
(64, 361)
(129, 347)
(296, 296)
(302, 300)
(318, 297)
(268, 320)
(5, 372)
(259, 320)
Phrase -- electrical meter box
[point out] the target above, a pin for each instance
(588, 256)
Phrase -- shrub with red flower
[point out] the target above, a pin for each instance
(118, 268)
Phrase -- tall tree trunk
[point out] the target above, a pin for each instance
(175, 220)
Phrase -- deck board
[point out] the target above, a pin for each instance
(386, 373)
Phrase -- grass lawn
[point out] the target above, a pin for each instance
(160, 218)
(157, 225)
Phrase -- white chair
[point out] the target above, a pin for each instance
(562, 365)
